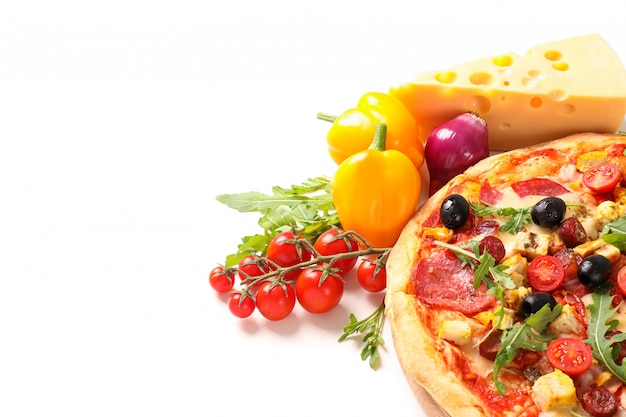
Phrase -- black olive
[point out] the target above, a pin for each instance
(594, 271)
(548, 212)
(533, 303)
(454, 211)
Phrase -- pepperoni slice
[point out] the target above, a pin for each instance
(572, 232)
(440, 281)
(488, 194)
(538, 186)
(599, 402)
(570, 261)
(493, 246)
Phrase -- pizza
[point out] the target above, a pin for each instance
(504, 291)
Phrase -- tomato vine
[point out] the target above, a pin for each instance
(301, 256)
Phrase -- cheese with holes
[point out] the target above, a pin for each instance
(556, 89)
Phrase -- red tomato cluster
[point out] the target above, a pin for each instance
(296, 270)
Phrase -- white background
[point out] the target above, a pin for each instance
(120, 122)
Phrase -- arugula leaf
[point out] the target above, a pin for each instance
(253, 201)
(307, 207)
(311, 185)
(248, 245)
(519, 217)
(528, 334)
(600, 323)
(616, 226)
(615, 233)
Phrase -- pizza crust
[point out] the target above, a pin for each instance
(420, 361)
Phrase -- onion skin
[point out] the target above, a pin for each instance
(454, 146)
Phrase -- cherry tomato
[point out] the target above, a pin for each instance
(253, 266)
(317, 296)
(546, 273)
(328, 244)
(284, 252)
(621, 280)
(571, 356)
(369, 278)
(602, 177)
(275, 301)
(241, 306)
(220, 280)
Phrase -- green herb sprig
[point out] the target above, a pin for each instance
(371, 327)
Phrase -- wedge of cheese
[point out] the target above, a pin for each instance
(556, 89)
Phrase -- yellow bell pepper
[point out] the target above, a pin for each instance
(353, 130)
(376, 192)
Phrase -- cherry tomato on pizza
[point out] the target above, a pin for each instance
(621, 280)
(546, 273)
(602, 178)
(570, 355)
(331, 243)
(318, 292)
(275, 301)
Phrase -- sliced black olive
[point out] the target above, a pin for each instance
(454, 211)
(533, 303)
(594, 271)
(548, 212)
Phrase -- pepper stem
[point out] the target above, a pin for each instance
(326, 117)
(380, 137)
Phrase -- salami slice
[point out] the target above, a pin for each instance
(488, 194)
(441, 281)
(538, 186)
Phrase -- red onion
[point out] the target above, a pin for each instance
(454, 146)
